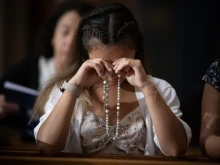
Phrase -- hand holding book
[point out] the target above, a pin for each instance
(23, 96)
(7, 108)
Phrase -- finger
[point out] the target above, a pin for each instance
(99, 65)
(107, 65)
(117, 62)
(10, 106)
(123, 65)
(2, 99)
(96, 65)
(125, 70)
(99, 70)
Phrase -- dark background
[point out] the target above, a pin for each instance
(181, 41)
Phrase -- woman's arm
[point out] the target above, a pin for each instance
(210, 122)
(169, 129)
(53, 132)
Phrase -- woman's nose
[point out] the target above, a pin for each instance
(69, 40)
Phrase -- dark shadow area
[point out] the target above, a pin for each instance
(181, 41)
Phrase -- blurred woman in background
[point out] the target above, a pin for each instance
(57, 36)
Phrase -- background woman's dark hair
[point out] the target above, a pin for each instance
(110, 24)
(43, 45)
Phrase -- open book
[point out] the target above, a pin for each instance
(19, 94)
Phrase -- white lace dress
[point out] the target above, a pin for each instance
(136, 135)
(131, 139)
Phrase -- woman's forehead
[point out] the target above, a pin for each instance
(111, 52)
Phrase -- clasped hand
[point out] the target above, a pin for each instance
(93, 70)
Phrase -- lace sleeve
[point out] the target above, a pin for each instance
(212, 75)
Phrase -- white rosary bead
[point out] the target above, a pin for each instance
(105, 106)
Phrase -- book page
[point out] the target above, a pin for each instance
(20, 88)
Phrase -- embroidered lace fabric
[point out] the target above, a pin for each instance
(212, 75)
(131, 139)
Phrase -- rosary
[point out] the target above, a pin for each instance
(106, 101)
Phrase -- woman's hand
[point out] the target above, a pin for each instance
(90, 72)
(7, 108)
(133, 70)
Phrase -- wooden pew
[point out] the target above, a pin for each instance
(29, 155)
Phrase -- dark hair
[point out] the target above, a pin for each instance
(47, 31)
(110, 24)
